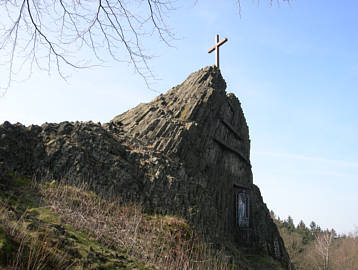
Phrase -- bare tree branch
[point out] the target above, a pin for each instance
(322, 246)
(61, 34)
(47, 33)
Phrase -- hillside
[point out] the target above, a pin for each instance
(185, 155)
(54, 226)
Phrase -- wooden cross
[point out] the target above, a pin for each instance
(216, 48)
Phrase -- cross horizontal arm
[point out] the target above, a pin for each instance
(217, 45)
(212, 49)
(222, 42)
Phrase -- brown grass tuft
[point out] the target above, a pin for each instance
(165, 242)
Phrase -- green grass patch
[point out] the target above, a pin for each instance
(8, 247)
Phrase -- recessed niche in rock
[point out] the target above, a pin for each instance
(242, 207)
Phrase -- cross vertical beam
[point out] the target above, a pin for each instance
(216, 48)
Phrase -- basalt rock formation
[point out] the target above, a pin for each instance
(187, 153)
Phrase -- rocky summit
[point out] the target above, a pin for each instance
(185, 153)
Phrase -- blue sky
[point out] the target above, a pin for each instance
(294, 68)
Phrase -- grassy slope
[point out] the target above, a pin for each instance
(33, 234)
(53, 226)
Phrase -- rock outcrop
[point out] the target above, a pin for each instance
(186, 153)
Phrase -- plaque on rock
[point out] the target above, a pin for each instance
(242, 207)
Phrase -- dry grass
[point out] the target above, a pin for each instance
(154, 241)
(163, 242)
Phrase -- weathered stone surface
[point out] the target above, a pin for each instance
(183, 153)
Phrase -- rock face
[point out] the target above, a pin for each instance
(186, 153)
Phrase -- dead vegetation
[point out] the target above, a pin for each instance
(166, 242)
(55, 226)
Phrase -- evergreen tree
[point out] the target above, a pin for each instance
(301, 226)
(289, 224)
(313, 226)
